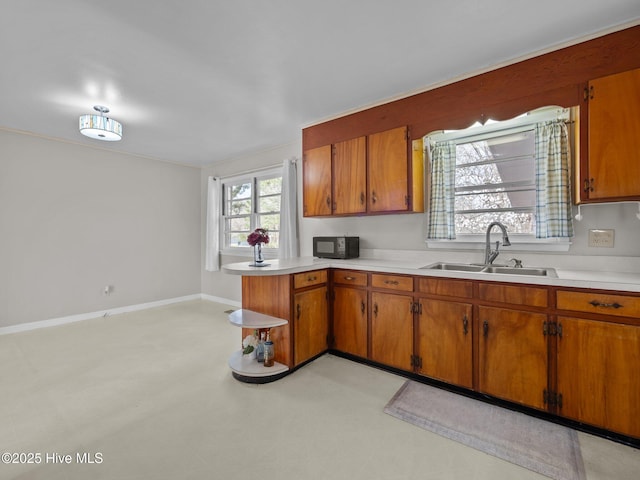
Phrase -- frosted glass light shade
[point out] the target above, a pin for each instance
(100, 127)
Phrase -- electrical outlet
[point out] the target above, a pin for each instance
(108, 289)
(601, 238)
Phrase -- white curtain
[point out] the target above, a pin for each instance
(289, 211)
(212, 248)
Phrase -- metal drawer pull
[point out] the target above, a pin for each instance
(391, 282)
(596, 303)
(465, 325)
(311, 279)
(362, 307)
(349, 278)
(485, 328)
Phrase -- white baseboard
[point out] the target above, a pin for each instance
(226, 301)
(52, 322)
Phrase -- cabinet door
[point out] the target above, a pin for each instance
(311, 324)
(350, 320)
(392, 329)
(614, 136)
(388, 171)
(445, 341)
(316, 182)
(598, 372)
(350, 177)
(513, 351)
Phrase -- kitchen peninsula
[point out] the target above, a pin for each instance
(547, 343)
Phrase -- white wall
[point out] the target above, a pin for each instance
(74, 219)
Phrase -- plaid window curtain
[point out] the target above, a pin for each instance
(553, 190)
(442, 190)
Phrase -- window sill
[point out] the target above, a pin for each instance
(268, 254)
(525, 244)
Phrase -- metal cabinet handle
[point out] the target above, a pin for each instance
(374, 197)
(362, 307)
(298, 311)
(391, 282)
(465, 325)
(375, 309)
(329, 202)
(349, 278)
(362, 198)
(588, 185)
(311, 279)
(596, 303)
(485, 328)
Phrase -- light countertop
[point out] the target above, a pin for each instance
(593, 279)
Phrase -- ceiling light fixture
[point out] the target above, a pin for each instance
(99, 126)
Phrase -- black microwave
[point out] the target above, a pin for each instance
(336, 247)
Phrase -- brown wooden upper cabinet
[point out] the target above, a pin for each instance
(370, 174)
(612, 169)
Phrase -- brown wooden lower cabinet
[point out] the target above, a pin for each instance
(444, 341)
(513, 355)
(577, 356)
(392, 329)
(310, 324)
(350, 315)
(599, 374)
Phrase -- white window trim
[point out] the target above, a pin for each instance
(267, 253)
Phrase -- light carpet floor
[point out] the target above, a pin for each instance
(152, 393)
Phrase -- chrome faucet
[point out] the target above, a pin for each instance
(490, 255)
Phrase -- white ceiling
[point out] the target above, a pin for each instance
(200, 81)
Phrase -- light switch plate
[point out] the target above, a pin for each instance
(601, 238)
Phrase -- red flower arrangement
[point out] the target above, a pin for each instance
(259, 235)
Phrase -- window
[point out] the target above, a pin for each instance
(251, 202)
(495, 181)
(514, 172)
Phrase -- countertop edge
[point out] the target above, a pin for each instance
(566, 278)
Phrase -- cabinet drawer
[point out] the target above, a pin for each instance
(350, 277)
(517, 295)
(392, 282)
(307, 279)
(449, 288)
(601, 303)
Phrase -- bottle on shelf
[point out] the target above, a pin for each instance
(260, 348)
(269, 352)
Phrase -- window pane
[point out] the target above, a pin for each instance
(237, 240)
(270, 186)
(496, 199)
(242, 224)
(274, 240)
(496, 174)
(270, 222)
(468, 223)
(270, 204)
(239, 207)
(242, 190)
(510, 171)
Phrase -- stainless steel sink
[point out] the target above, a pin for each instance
(501, 269)
(539, 272)
(460, 267)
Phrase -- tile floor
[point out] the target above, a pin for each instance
(148, 395)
